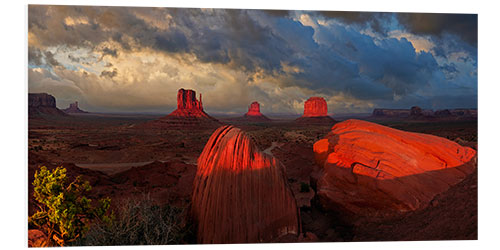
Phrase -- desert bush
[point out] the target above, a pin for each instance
(304, 187)
(139, 222)
(64, 212)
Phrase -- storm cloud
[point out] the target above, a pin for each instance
(356, 60)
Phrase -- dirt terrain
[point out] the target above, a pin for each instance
(123, 160)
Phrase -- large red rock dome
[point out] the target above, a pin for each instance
(370, 168)
(241, 194)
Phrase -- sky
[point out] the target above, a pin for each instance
(134, 59)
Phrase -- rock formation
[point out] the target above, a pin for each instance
(401, 113)
(42, 104)
(315, 112)
(240, 194)
(254, 113)
(373, 170)
(189, 114)
(73, 108)
(416, 112)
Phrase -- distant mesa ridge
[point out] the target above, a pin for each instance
(254, 113)
(73, 108)
(315, 112)
(416, 112)
(40, 104)
(240, 194)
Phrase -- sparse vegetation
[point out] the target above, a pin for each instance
(140, 222)
(304, 187)
(64, 212)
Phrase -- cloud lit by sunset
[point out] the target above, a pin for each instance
(122, 59)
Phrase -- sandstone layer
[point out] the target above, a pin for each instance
(370, 170)
(240, 195)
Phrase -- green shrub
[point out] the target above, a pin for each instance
(64, 211)
(140, 222)
(304, 187)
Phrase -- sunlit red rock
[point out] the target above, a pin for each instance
(42, 104)
(370, 169)
(254, 113)
(73, 108)
(241, 194)
(189, 114)
(315, 112)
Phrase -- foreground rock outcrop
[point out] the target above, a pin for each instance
(42, 104)
(189, 114)
(254, 113)
(74, 109)
(372, 170)
(315, 112)
(240, 194)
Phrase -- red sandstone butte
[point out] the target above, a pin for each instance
(254, 113)
(373, 170)
(189, 113)
(315, 111)
(240, 195)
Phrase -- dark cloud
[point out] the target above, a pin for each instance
(49, 58)
(462, 25)
(34, 56)
(331, 59)
(109, 74)
(110, 52)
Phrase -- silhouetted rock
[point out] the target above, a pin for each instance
(42, 104)
(401, 113)
(254, 113)
(189, 114)
(73, 108)
(373, 170)
(315, 112)
(241, 194)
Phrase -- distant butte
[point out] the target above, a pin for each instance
(189, 113)
(73, 108)
(254, 113)
(40, 104)
(315, 112)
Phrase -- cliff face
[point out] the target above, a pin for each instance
(186, 99)
(41, 100)
(315, 106)
(315, 112)
(42, 104)
(240, 194)
(388, 170)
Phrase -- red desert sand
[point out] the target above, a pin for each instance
(372, 169)
(240, 194)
